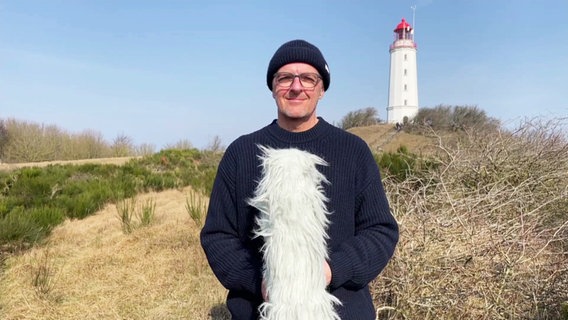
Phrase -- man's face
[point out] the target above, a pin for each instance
(296, 102)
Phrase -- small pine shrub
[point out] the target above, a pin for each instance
(402, 164)
(43, 274)
(147, 212)
(399, 164)
(564, 310)
(125, 209)
(196, 207)
(159, 182)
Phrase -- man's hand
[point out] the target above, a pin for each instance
(263, 290)
(327, 272)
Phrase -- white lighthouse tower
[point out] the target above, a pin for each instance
(403, 85)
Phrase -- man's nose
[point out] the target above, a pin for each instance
(296, 84)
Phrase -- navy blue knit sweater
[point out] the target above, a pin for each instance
(362, 233)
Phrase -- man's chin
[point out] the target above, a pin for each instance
(296, 116)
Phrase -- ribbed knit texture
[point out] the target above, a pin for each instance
(362, 232)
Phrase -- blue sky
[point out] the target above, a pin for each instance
(165, 71)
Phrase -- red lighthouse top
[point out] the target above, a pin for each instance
(403, 36)
(403, 25)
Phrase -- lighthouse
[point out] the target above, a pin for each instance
(403, 83)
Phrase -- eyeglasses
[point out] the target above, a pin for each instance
(307, 80)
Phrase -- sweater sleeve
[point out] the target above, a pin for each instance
(360, 259)
(232, 262)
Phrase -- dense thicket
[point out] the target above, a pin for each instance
(23, 141)
(484, 230)
(452, 118)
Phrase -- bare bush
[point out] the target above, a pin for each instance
(454, 118)
(91, 144)
(183, 144)
(215, 145)
(3, 138)
(485, 235)
(88, 144)
(122, 146)
(359, 118)
(145, 149)
(30, 142)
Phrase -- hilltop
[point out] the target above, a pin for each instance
(385, 138)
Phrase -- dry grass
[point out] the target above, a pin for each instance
(486, 237)
(95, 271)
(385, 138)
(115, 160)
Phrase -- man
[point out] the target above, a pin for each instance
(362, 232)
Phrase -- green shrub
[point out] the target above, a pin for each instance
(196, 207)
(84, 204)
(125, 209)
(159, 182)
(31, 225)
(128, 209)
(33, 187)
(147, 212)
(77, 191)
(44, 274)
(564, 310)
(402, 164)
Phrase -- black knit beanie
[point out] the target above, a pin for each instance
(298, 51)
